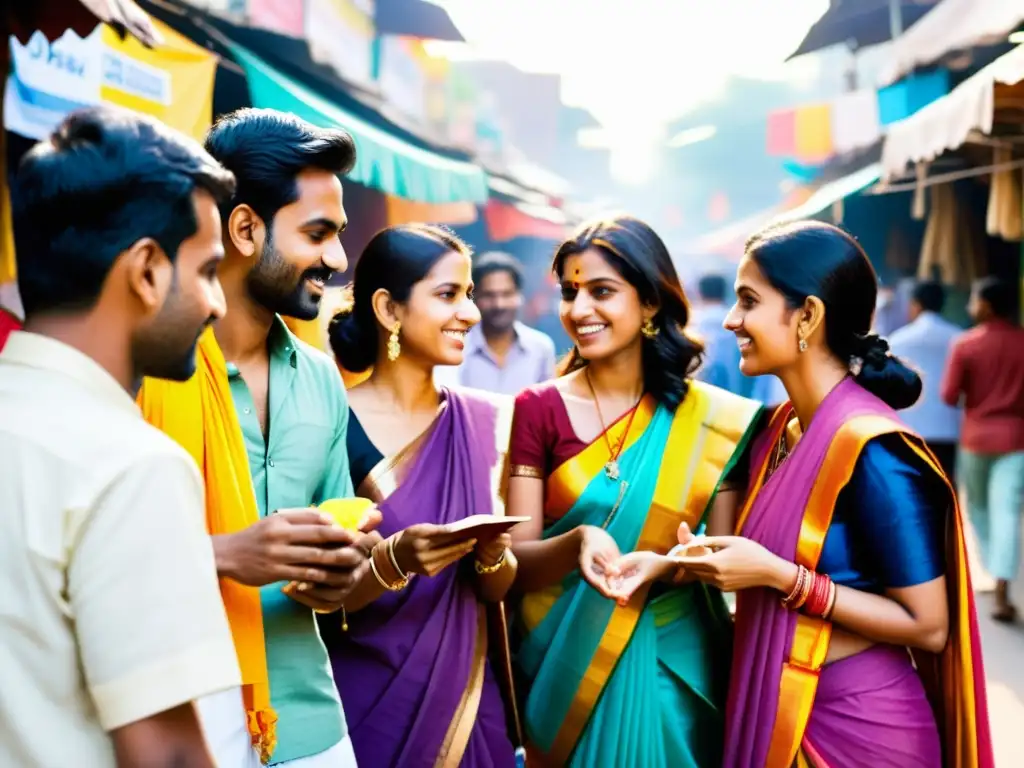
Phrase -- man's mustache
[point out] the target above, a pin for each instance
(322, 273)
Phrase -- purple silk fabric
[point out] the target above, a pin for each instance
(764, 629)
(404, 664)
(871, 711)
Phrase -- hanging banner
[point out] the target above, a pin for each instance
(403, 82)
(402, 211)
(461, 108)
(173, 82)
(507, 221)
(814, 133)
(340, 34)
(282, 16)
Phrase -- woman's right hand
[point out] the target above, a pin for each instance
(598, 553)
(428, 549)
(638, 569)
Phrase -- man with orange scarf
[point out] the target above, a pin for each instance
(266, 417)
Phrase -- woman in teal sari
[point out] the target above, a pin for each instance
(609, 458)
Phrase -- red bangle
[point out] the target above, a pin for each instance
(831, 602)
(818, 602)
(821, 596)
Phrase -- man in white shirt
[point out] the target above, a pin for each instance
(925, 344)
(111, 620)
(503, 355)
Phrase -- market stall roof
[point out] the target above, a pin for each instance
(384, 161)
(952, 25)
(947, 123)
(831, 193)
(52, 17)
(535, 176)
(292, 57)
(126, 17)
(862, 22)
(415, 18)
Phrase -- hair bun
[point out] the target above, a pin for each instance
(870, 350)
(353, 342)
(886, 376)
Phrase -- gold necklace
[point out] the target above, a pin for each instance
(780, 454)
(611, 467)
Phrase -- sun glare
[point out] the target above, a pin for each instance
(635, 64)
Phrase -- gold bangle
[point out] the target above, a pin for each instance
(525, 470)
(798, 586)
(487, 569)
(398, 586)
(394, 560)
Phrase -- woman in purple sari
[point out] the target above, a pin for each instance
(856, 641)
(410, 649)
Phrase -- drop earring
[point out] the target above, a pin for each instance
(802, 345)
(649, 329)
(394, 346)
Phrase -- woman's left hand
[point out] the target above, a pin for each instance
(489, 552)
(736, 563)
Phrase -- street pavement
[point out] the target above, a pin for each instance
(1003, 649)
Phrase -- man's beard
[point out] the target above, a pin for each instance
(499, 321)
(279, 286)
(168, 350)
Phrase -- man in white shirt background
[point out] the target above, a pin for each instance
(503, 355)
(925, 343)
(111, 620)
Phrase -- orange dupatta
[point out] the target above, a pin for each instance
(199, 414)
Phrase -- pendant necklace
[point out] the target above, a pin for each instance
(611, 467)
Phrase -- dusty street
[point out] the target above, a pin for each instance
(1003, 647)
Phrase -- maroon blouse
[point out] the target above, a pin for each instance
(542, 434)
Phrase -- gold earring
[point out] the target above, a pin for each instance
(394, 346)
(649, 329)
(802, 345)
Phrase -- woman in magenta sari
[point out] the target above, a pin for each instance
(410, 650)
(856, 641)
